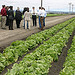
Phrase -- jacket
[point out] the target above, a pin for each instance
(27, 16)
(11, 15)
(3, 12)
(18, 15)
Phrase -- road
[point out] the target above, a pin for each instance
(8, 36)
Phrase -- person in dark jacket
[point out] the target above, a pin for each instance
(18, 17)
(7, 21)
(11, 17)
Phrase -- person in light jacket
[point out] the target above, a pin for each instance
(27, 16)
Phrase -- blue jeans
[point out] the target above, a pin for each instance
(39, 22)
(27, 24)
(24, 23)
(44, 22)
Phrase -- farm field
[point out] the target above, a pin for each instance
(69, 65)
(35, 55)
(0, 18)
(49, 15)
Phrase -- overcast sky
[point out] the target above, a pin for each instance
(60, 5)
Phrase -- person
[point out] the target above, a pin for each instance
(27, 17)
(45, 14)
(11, 18)
(34, 15)
(42, 18)
(18, 17)
(3, 17)
(7, 21)
(25, 9)
(39, 15)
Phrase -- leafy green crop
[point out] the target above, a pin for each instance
(19, 48)
(39, 61)
(69, 65)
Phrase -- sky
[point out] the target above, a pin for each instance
(51, 5)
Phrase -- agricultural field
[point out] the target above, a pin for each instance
(51, 15)
(35, 54)
(48, 15)
(0, 18)
(69, 65)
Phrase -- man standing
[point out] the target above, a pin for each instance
(34, 12)
(3, 18)
(42, 18)
(39, 15)
(45, 14)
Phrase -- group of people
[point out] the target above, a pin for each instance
(8, 16)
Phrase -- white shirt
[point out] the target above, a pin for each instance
(42, 13)
(39, 13)
(45, 13)
(34, 12)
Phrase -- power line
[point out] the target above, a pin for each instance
(41, 3)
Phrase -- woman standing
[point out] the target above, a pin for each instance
(18, 17)
(11, 17)
(27, 17)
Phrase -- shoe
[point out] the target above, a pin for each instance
(3, 28)
(38, 28)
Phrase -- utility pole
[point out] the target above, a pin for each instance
(41, 3)
(70, 7)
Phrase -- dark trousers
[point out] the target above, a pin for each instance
(10, 24)
(34, 20)
(7, 21)
(18, 23)
(44, 22)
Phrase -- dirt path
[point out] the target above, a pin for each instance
(8, 36)
(58, 66)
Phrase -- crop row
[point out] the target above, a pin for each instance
(69, 65)
(19, 48)
(39, 61)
